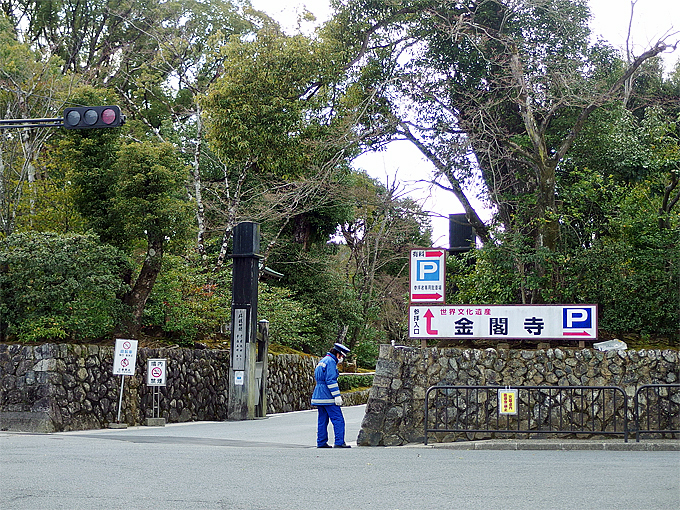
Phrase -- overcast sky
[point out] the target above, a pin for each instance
(653, 19)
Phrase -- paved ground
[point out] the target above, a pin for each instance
(272, 464)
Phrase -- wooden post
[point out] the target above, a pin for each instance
(243, 390)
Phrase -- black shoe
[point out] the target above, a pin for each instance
(325, 445)
(343, 445)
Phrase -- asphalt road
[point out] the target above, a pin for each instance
(272, 464)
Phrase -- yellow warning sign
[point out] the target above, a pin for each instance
(507, 401)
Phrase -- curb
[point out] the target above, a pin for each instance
(645, 446)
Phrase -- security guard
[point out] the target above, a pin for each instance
(327, 399)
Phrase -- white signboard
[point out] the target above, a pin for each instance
(238, 377)
(155, 372)
(125, 357)
(519, 322)
(428, 274)
(239, 338)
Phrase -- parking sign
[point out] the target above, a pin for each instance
(428, 274)
(516, 322)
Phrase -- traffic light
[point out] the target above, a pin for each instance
(93, 117)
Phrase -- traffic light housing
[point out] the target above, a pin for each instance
(93, 117)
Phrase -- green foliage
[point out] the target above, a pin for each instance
(264, 110)
(284, 115)
(632, 273)
(129, 192)
(291, 322)
(60, 287)
(150, 197)
(351, 382)
(187, 304)
(328, 297)
(622, 259)
(366, 353)
(32, 87)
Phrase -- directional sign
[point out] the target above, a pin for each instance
(155, 372)
(124, 357)
(428, 274)
(547, 322)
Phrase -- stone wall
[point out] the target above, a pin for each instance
(395, 410)
(60, 387)
(54, 387)
(290, 382)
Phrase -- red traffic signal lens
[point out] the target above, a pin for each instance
(108, 116)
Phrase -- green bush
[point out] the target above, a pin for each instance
(350, 382)
(58, 287)
(188, 303)
(291, 323)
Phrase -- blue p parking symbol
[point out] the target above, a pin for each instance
(577, 318)
(428, 271)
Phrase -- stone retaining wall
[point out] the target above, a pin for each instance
(55, 387)
(395, 410)
(60, 387)
(290, 382)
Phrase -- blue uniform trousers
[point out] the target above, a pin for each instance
(334, 413)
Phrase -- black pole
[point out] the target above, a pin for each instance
(243, 391)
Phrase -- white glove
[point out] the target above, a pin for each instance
(338, 400)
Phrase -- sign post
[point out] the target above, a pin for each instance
(124, 362)
(155, 378)
(427, 278)
(248, 353)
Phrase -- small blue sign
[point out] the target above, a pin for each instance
(577, 318)
(427, 271)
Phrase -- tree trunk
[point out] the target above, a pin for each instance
(137, 297)
(198, 186)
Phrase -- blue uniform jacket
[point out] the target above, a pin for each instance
(326, 375)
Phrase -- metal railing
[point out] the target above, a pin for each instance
(657, 409)
(594, 410)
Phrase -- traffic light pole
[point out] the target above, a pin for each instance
(31, 123)
(79, 117)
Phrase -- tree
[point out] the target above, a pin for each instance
(376, 253)
(30, 87)
(277, 120)
(162, 86)
(618, 230)
(153, 207)
(158, 58)
(127, 193)
(502, 87)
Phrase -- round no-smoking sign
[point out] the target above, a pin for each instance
(155, 372)
(125, 357)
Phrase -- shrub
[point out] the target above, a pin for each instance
(350, 382)
(187, 303)
(60, 287)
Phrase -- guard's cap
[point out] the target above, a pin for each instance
(341, 349)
